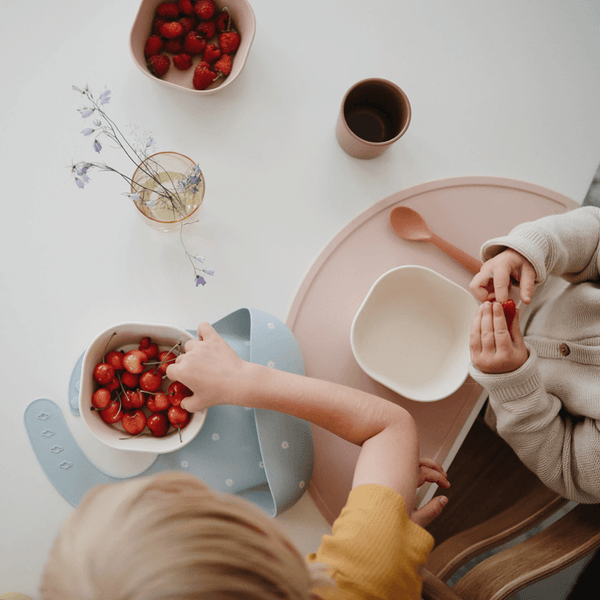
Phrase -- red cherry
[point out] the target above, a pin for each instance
(158, 402)
(101, 398)
(177, 392)
(104, 373)
(166, 358)
(115, 359)
(134, 360)
(132, 399)
(158, 424)
(134, 422)
(113, 385)
(178, 417)
(112, 414)
(130, 379)
(150, 381)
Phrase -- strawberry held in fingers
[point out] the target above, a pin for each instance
(510, 310)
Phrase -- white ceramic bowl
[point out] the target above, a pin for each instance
(128, 336)
(243, 18)
(411, 333)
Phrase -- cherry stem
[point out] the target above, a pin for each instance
(166, 356)
(112, 335)
(180, 438)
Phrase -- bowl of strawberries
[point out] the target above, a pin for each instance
(200, 46)
(126, 399)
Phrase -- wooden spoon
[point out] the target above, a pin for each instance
(409, 225)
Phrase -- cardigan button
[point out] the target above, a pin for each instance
(565, 350)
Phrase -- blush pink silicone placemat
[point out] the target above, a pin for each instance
(465, 211)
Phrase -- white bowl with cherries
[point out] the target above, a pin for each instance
(125, 397)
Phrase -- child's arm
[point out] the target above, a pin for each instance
(385, 431)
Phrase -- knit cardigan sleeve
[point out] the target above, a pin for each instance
(566, 245)
(375, 551)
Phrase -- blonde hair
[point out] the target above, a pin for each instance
(170, 536)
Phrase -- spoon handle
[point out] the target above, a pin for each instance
(461, 257)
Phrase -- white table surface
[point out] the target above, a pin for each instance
(507, 89)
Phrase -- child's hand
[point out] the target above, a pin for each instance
(493, 282)
(494, 349)
(430, 472)
(210, 368)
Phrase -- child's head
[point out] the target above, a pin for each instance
(171, 536)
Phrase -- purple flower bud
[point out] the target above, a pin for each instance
(97, 146)
(87, 131)
(200, 280)
(105, 97)
(199, 258)
(85, 112)
(80, 183)
(209, 271)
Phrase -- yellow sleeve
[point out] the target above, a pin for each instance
(375, 550)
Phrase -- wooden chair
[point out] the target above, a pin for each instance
(494, 498)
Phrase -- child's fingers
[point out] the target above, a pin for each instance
(475, 336)
(515, 330)
(488, 340)
(502, 336)
(527, 282)
(432, 464)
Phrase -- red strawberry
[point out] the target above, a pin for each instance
(171, 30)
(510, 310)
(185, 7)
(182, 61)
(104, 373)
(101, 398)
(203, 76)
(223, 65)
(174, 46)
(157, 24)
(177, 392)
(205, 9)
(159, 64)
(154, 45)
(188, 24)
(112, 413)
(222, 20)
(158, 424)
(134, 422)
(211, 53)
(115, 358)
(207, 29)
(229, 41)
(167, 10)
(150, 380)
(193, 43)
(158, 402)
(178, 417)
(133, 399)
(134, 360)
(131, 380)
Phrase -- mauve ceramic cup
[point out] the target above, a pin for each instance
(374, 114)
